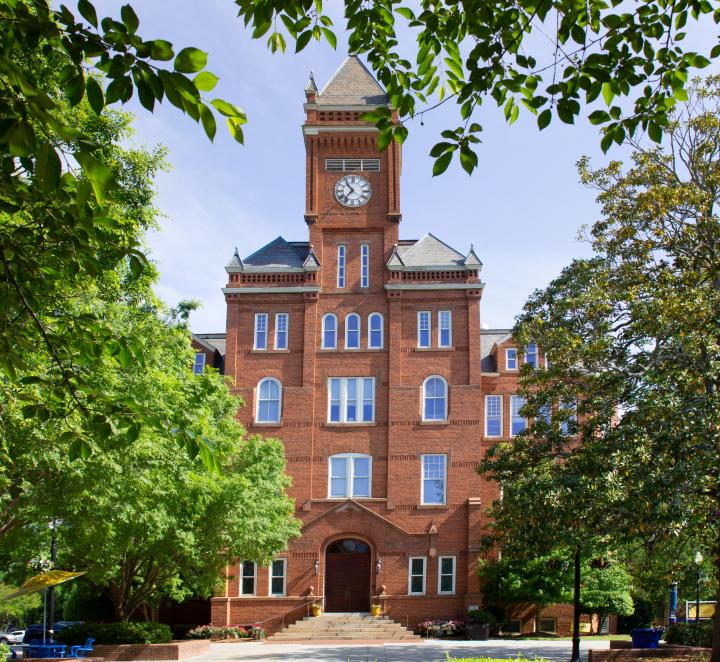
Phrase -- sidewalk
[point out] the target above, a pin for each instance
(432, 650)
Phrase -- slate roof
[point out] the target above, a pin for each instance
(488, 338)
(352, 85)
(429, 252)
(215, 341)
(279, 254)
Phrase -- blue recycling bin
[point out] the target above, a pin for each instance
(645, 637)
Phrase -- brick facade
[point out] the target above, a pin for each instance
(393, 523)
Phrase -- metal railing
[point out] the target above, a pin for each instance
(282, 615)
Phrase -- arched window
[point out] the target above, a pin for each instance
(375, 331)
(329, 331)
(350, 475)
(352, 331)
(434, 399)
(269, 401)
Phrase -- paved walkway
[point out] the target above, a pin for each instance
(426, 651)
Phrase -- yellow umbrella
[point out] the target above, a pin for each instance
(44, 580)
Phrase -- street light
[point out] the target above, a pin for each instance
(698, 562)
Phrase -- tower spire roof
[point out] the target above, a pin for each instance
(352, 85)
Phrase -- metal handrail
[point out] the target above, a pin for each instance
(282, 615)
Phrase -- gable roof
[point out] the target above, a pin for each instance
(352, 85)
(429, 252)
(212, 341)
(279, 254)
(489, 340)
(351, 504)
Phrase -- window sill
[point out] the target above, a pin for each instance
(351, 425)
(433, 349)
(267, 425)
(269, 351)
(433, 506)
(351, 350)
(435, 423)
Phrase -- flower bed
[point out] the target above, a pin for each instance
(440, 627)
(217, 632)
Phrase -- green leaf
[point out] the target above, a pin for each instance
(208, 121)
(129, 18)
(680, 94)
(161, 50)
(655, 132)
(406, 12)
(48, 168)
(205, 81)
(544, 118)
(468, 159)
(439, 149)
(235, 126)
(303, 40)
(75, 89)
(229, 110)
(330, 36)
(189, 60)
(99, 175)
(442, 163)
(607, 93)
(87, 11)
(94, 95)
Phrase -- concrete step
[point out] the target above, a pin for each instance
(352, 626)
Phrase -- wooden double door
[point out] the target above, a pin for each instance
(347, 576)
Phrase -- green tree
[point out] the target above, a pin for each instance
(607, 590)
(147, 521)
(633, 338)
(15, 610)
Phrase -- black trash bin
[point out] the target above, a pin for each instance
(477, 631)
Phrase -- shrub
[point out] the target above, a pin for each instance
(483, 616)
(134, 632)
(690, 634)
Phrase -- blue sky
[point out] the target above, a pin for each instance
(522, 208)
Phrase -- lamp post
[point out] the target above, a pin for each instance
(51, 591)
(698, 562)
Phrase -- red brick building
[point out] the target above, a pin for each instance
(364, 353)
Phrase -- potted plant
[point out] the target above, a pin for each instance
(375, 609)
(315, 609)
(477, 626)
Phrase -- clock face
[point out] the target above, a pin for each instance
(353, 190)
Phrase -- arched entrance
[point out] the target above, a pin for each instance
(347, 576)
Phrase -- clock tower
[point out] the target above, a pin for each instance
(352, 189)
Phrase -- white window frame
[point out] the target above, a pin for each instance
(410, 575)
(341, 265)
(382, 331)
(424, 397)
(257, 399)
(440, 328)
(429, 328)
(350, 475)
(364, 265)
(244, 576)
(271, 577)
(514, 398)
(322, 331)
(536, 363)
(199, 366)
(360, 399)
(440, 575)
(487, 399)
(278, 317)
(258, 317)
(507, 358)
(423, 479)
(359, 330)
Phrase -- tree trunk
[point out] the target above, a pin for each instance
(715, 656)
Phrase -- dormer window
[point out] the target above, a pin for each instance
(511, 359)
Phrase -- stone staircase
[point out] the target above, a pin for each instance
(329, 627)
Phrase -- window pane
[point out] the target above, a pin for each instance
(446, 566)
(278, 568)
(446, 584)
(329, 328)
(248, 585)
(361, 487)
(416, 585)
(352, 323)
(424, 329)
(351, 407)
(338, 487)
(417, 566)
(375, 331)
(511, 359)
(338, 467)
(277, 586)
(368, 400)
(445, 323)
